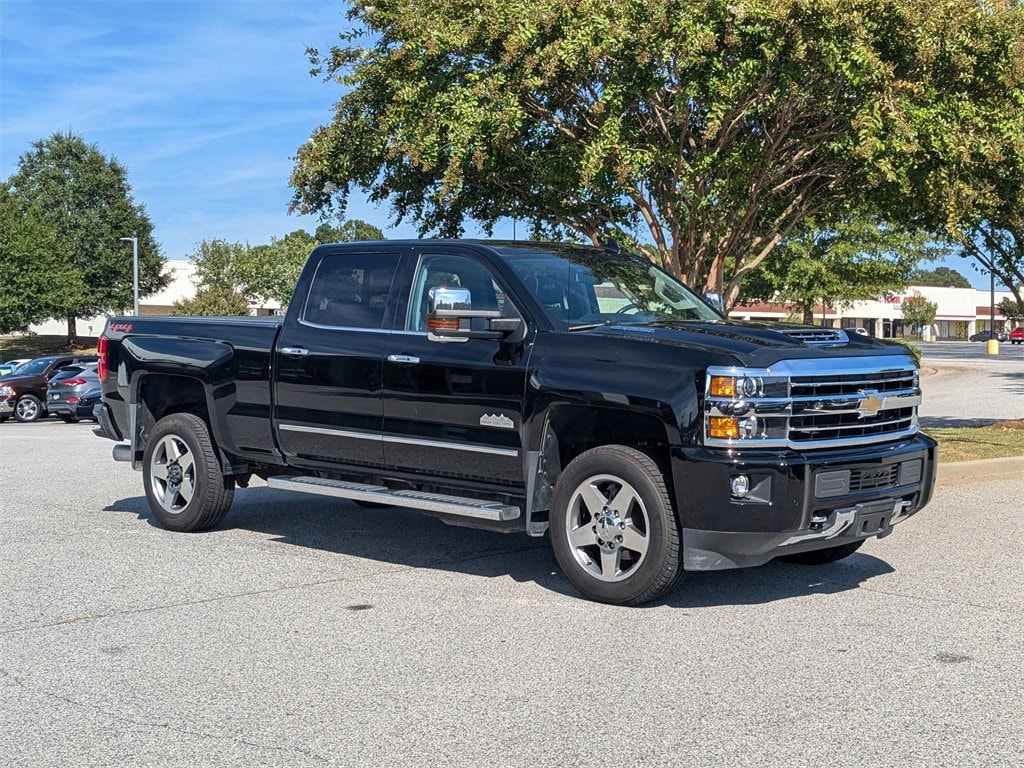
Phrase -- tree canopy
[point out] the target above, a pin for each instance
(69, 206)
(268, 272)
(918, 312)
(855, 259)
(944, 277)
(711, 129)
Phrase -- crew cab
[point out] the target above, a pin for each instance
(567, 390)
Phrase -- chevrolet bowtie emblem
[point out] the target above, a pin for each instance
(870, 405)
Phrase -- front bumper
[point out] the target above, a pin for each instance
(798, 502)
(7, 406)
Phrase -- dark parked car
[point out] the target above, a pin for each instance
(1017, 335)
(68, 389)
(987, 335)
(23, 392)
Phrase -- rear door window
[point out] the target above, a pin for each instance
(350, 290)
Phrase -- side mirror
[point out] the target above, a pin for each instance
(451, 317)
(715, 300)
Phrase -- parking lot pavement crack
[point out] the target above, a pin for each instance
(169, 727)
(260, 592)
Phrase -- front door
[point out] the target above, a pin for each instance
(453, 408)
(328, 365)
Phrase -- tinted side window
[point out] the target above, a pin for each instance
(350, 290)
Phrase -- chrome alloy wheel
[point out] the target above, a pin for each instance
(173, 472)
(27, 409)
(608, 528)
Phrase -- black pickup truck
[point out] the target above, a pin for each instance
(538, 387)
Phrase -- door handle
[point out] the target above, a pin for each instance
(407, 359)
(294, 351)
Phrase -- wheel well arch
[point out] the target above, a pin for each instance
(570, 430)
(162, 394)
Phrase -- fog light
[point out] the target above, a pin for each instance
(740, 485)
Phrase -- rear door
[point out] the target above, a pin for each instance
(328, 365)
(453, 409)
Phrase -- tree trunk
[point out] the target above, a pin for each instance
(72, 332)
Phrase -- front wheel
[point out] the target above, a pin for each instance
(613, 528)
(28, 408)
(823, 556)
(184, 485)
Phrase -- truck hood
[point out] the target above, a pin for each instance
(752, 343)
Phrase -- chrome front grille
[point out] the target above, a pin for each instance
(852, 383)
(844, 425)
(813, 403)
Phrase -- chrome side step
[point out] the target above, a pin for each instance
(430, 502)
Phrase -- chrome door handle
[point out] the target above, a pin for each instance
(294, 351)
(407, 359)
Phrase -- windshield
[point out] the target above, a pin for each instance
(33, 367)
(584, 288)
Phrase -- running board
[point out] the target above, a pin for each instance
(430, 502)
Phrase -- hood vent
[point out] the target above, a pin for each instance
(819, 337)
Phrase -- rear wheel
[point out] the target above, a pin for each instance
(823, 556)
(68, 418)
(184, 485)
(613, 528)
(28, 408)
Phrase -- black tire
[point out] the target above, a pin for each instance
(823, 556)
(184, 485)
(68, 418)
(28, 409)
(624, 553)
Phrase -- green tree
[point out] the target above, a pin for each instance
(854, 260)
(349, 231)
(943, 277)
(712, 128)
(1011, 310)
(268, 272)
(79, 203)
(213, 302)
(918, 312)
(30, 267)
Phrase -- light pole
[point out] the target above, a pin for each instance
(135, 270)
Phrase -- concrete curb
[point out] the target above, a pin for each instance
(964, 472)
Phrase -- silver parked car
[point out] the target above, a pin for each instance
(71, 393)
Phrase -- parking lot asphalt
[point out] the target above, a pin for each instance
(311, 632)
(963, 386)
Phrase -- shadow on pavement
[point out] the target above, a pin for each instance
(408, 538)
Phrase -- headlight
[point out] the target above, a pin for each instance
(745, 407)
(6, 391)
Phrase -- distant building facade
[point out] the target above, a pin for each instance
(961, 312)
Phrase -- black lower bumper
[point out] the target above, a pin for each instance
(107, 428)
(797, 502)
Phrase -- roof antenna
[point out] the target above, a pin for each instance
(612, 245)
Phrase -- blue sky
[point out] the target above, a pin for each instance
(203, 101)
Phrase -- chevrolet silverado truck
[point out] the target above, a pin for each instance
(568, 390)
